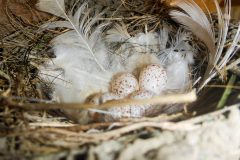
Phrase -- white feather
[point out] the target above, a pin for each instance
(145, 42)
(138, 61)
(118, 33)
(55, 7)
(86, 67)
(83, 65)
(137, 51)
(229, 53)
(223, 25)
(196, 20)
(177, 60)
(144, 49)
(163, 37)
(231, 50)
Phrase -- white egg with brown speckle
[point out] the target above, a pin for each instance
(141, 110)
(131, 111)
(116, 113)
(141, 94)
(153, 78)
(124, 84)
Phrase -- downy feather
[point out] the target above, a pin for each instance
(118, 33)
(177, 60)
(136, 51)
(147, 48)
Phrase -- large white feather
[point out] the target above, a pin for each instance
(229, 54)
(82, 65)
(55, 7)
(195, 20)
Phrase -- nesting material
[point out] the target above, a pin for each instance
(92, 56)
(137, 33)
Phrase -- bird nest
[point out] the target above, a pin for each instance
(32, 125)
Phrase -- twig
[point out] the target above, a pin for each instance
(166, 99)
(164, 125)
(96, 137)
(51, 124)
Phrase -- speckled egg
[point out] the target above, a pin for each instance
(116, 113)
(141, 110)
(134, 111)
(153, 78)
(141, 94)
(123, 84)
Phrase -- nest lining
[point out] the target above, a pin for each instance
(27, 131)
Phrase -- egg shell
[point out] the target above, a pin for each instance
(153, 78)
(117, 113)
(141, 110)
(123, 84)
(128, 111)
(141, 94)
